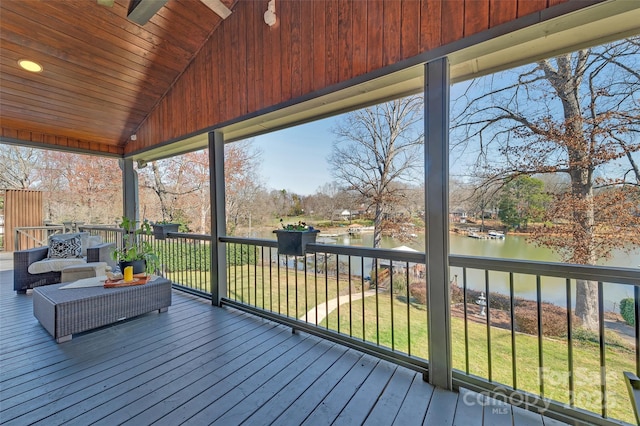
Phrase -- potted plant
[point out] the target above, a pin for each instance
(162, 228)
(136, 251)
(293, 238)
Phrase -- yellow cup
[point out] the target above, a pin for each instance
(128, 273)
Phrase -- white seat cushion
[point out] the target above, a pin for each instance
(54, 265)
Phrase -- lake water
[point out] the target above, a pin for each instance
(513, 247)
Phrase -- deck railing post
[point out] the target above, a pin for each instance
(129, 189)
(218, 276)
(436, 162)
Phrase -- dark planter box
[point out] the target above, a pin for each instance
(160, 231)
(139, 266)
(293, 243)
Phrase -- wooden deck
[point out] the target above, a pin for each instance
(197, 364)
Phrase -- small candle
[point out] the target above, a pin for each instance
(128, 273)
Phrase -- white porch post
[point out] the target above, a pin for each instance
(130, 200)
(218, 222)
(436, 162)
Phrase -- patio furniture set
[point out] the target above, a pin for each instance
(67, 278)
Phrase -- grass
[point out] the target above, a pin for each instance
(409, 325)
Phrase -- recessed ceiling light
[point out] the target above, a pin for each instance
(30, 65)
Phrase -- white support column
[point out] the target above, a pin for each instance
(130, 201)
(436, 162)
(218, 221)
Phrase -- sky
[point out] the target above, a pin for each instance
(295, 159)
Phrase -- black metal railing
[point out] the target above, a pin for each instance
(515, 345)
(519, 347)
(183, 258)
(359, 297)
(536, 352)
(186, 260)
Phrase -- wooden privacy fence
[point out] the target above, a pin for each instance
(22, 208)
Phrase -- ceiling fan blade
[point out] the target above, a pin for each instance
(106, 3)
(140, 11)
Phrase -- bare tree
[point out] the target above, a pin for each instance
(574, 115)
(18, 166)
(376, 147)
(242, 183)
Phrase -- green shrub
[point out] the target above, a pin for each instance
(399, 284)
(627, 308)
(184, 257)
(241, 254)
(611, 337)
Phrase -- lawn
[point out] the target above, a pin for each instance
(396, 329)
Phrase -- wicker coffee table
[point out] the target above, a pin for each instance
(64, 312)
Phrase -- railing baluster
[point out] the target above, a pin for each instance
(362, 289)
(540, 333)
(315, 291)
(255, 275)
(377, 308)
(337, 292)
(570, 344)
(278, 284)
(466, 322)
(306, 290)
(488, 313)
(636, 297)
(326, 290)
(408, 295)
(514, 370)
(286, 289)
(296, 284)
(229, 281)
(603, 361)
(242, 276)
(271, 279)
(393, 343)
(350, 300)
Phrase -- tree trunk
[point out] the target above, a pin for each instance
(587, 303)
(566, 81)
(583, 249)
(161, 192)
(377, 226)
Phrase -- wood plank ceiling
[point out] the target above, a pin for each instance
(103, 73)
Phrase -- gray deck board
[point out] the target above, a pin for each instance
(442, 408)
(468, 412)
(367, 396)
(414, 407)
(497, 413)
(388, 404)
(198, 364)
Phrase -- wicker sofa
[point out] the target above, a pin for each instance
(24, 280)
